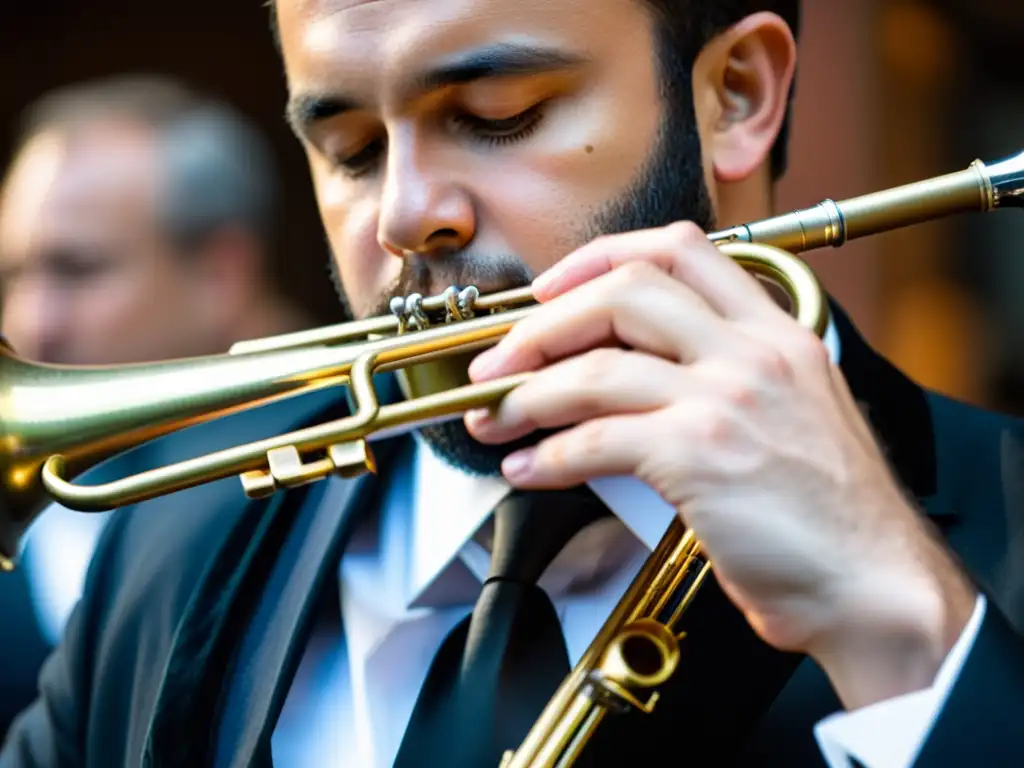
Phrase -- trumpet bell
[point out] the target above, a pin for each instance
(60, 421)
(74, 418)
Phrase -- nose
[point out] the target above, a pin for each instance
(424, 209)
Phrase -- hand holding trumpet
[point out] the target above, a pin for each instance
(658, 356)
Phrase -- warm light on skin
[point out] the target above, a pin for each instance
(28, 183)
(89, 275)
(529, 197)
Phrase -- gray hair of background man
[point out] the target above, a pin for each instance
(218, 168)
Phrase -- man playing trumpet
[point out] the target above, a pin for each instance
(405, 619)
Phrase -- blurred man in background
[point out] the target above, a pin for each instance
(136, 222)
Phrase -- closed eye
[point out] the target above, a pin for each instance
(500, 131)
(364, 160)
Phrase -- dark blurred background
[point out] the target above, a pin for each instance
(889, 92)
(222, 47)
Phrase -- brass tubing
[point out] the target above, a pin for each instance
(58, 421)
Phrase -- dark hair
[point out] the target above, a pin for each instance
(219, 168)
(686, 26)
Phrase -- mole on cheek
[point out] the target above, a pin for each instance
(588, 149)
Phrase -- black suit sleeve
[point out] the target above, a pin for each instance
(49, 733)
(982, 722)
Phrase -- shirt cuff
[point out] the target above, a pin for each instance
(890, 734)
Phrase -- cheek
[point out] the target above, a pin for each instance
(545, 195)
(118, 319)
(532, 210)
(365, 269)
(149, 313)
(132, 299)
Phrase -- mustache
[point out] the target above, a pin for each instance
(431, 275)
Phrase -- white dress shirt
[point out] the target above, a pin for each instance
(889, 734)
(410, 575)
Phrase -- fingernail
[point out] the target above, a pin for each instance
(516, 466)
(482, 365)
(546, 281)
(478, 418)
(479, 365)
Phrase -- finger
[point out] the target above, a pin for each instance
(639, 307)
(684, 252)
(599, 256)
(602, 447)
(599, 383)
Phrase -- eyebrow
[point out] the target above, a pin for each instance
(306, 110)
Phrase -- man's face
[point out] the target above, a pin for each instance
(480, 141)
(86, 275)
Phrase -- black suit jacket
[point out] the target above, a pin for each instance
(23, 646)
(197, 611)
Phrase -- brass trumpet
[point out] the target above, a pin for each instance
(56, 422)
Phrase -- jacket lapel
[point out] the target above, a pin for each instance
(275, 637)
(1009, 579)
(240, 638)
(899, 412)
(182, 730)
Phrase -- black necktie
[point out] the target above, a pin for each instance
(497, 669)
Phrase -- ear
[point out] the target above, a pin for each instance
(744, 77)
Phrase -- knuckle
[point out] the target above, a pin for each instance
(550, 456)
(690, 250)
(597, 362)
(605, 239)
(575, 448)
(590, 438)
(687, 232)
(768, 365)
(662, 472)
(705, 425)
(740, 392)
(590, 372)
(809, 351)
(714, 427)
(637, 271)
(607, 244)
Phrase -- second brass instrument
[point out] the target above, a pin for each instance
(56, 422)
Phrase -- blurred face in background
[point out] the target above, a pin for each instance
(86, 273)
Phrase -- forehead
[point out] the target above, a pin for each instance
(63, 184)
(382, 39)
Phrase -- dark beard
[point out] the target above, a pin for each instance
(669, 188)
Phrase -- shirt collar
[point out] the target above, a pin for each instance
(448, 507)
